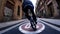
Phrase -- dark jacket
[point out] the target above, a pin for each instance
(27, 3)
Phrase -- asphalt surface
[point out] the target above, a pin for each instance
(48, 30)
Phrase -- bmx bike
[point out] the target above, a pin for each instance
(32, 22)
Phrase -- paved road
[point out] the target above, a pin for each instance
(48, 30)
(53, 21)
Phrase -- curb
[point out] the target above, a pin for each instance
(51, 23)
(9, 26)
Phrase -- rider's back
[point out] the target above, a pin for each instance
(27, 3)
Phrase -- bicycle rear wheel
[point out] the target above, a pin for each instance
(32, 22)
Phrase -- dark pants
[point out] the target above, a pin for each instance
(29, 17)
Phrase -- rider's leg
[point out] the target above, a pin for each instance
(31, 21)
(29, 18)
(34, 18)
(33, 15)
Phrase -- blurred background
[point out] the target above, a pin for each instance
(46, 10)
(12, 9)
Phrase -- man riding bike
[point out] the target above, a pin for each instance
(26, 7)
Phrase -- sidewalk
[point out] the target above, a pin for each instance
(6, 24)
(53, 21)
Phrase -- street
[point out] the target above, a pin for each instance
(47, 30)
(43, 14)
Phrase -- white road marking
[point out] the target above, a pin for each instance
(27, 26)
(34, 32)
(3, 31)
(54, 27)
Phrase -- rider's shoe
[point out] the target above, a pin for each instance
(34, 29)
(36, 22)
